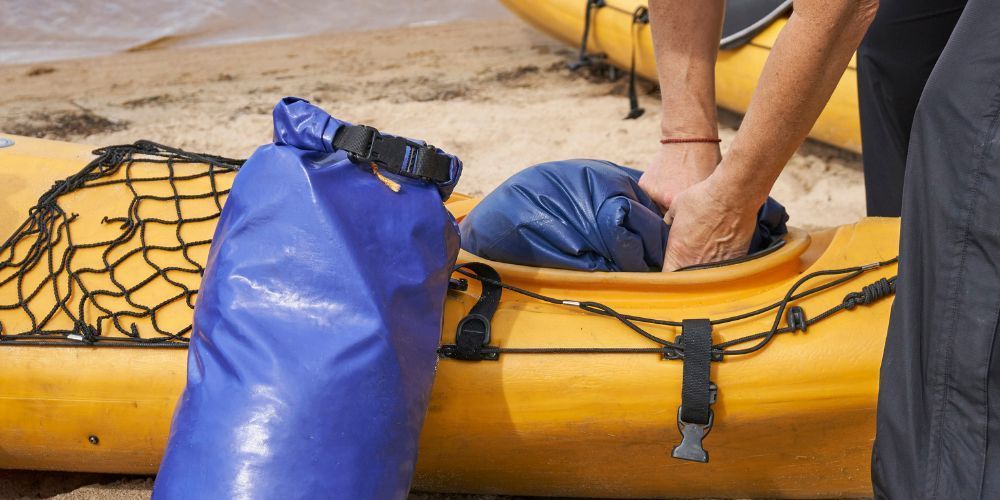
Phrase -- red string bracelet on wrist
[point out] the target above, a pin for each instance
(685, 140)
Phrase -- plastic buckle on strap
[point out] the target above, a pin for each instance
(366, 144)
(698, 393)
(372, 134)
(389, 153)
(692, 435)
(472, 336)
(357, 140)
(398, 155)
(458, 284)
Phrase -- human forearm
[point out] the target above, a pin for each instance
(804, 67)
(715, 219)
(686, 41)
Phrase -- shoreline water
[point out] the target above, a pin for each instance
(49, 30)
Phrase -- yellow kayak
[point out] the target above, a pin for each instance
(736, 73)
(575, 403)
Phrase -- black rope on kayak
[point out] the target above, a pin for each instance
(882, 288)
(40, 263)
(43, 262)
(639, 17)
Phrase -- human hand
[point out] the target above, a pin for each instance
(710, 221)
(677, 167)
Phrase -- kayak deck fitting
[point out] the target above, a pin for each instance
(546, 417)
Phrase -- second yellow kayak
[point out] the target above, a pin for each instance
(612, 33)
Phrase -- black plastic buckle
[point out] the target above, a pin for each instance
(471, 336)
(389, 152)
(692, 436)
(366, 145)
(458, 284)
(372, 134)
(385, 151)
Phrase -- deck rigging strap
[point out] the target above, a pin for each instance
(473, 331)
(698, 393)
(797, 321)
(584, 58)
(694, 347)
(639, 17)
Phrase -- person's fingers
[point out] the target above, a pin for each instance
(653, 189)
(668, 217)
(670, 265)
(672, 261)
(669, 214)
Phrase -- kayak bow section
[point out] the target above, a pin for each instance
(795, 419)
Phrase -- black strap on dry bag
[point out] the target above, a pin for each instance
(400, 156)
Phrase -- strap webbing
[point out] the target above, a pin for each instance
(584, 59)
(395, 154)
(639, 16)
(489, 298)
(694, 417)
(356, 139)
(696, 392)
(473, 332)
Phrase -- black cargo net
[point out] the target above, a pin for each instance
(118, 262)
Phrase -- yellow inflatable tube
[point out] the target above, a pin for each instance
(736, 73)
(795, 419)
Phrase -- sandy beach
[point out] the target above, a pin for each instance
(495, 93)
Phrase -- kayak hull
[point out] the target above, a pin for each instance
(736, 72)
(795, 419)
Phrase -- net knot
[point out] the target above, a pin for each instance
(870, 293)
(85, 332)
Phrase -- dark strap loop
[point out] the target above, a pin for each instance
(698, 393)
(365, 144)
(473, 332)
(639, 16)
(584, 59)
(489, 299)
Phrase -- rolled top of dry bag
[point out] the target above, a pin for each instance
(587, 215)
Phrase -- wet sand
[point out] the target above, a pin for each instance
(495, 93)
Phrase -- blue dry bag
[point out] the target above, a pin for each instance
(313, 349)
(586, 215)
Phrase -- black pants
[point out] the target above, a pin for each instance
(938, 425)
(894, 61)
